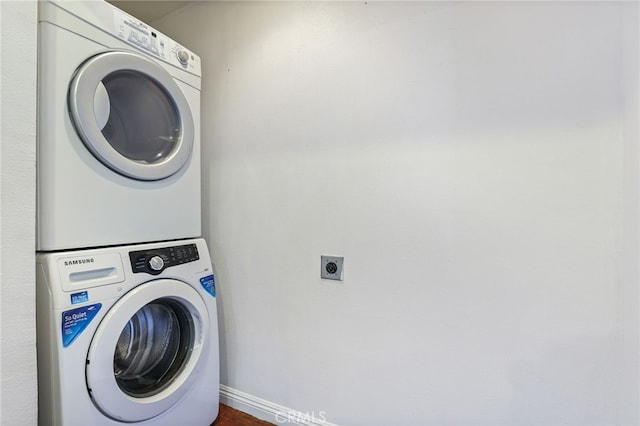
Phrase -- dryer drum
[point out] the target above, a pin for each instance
(131, 115)
(144, 128)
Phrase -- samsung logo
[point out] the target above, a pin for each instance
(79, 261)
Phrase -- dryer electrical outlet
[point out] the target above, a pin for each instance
(331, 267)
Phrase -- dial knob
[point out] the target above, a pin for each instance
(156, 263)
(183, 56)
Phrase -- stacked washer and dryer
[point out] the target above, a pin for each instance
(126, 308)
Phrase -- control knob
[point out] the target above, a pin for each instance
(156, 263)
(183, 56)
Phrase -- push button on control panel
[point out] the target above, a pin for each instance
(155, 261)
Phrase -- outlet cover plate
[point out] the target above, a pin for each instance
(331, 267)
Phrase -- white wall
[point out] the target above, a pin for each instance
(18, 403)
(475, 163)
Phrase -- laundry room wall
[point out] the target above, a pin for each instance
(475, 163)
(18, 389)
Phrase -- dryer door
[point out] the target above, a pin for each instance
(131, 115)
(148, 350)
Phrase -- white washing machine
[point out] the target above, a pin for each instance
(118, 151)
(127, 335)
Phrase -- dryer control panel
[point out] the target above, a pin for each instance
(146, 38)
(157, 260)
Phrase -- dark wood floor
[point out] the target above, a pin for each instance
(230, 417)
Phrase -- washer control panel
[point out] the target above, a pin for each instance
(157, 260)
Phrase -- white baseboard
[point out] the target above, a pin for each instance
(269, 411)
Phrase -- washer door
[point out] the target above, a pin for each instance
(131, 115)
(147, 351)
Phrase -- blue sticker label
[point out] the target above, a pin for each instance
(76, 320)
(208, 283)
(81, 297)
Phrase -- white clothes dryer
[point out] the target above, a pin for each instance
(127, 335)
(118, 153)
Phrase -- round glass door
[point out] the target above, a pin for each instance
(153, 347)
(131, 115)
(147, 351)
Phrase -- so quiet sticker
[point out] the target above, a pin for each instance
(209, 284)
(75, 321)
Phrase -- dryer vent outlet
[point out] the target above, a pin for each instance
(331, 267)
